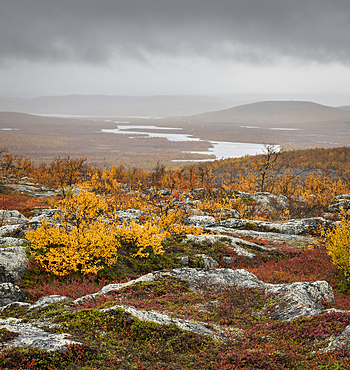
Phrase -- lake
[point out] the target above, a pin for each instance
(220, 149)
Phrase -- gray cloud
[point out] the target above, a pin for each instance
(97, 31)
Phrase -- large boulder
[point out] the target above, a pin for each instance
(293, 227)
(290, 300)
(10, 293)
(343, 204)
(162, 319)
(202, 221)
(47, 214)
(11, 217)
(129, 214)
(13, 264)
(31, 335)
(270, 201)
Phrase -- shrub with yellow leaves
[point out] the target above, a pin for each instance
(82, 241)
(338, 243)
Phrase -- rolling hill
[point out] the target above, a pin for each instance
(285, 112)
(106, 105)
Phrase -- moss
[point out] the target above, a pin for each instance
(49, 311)
(7, 335)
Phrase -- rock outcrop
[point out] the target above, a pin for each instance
(13, 264)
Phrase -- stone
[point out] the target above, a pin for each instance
(199, 191)
(333, 208)
(12, 242)
(11, 230)
(293, 227)
(270, 201)
(13, 264)
(291, 300)
(299, 299)
(13, 305)
(211, 239)
(183, 261)
(129, 214)
(11, 217)
(47, 300)
(202, 221)
(342, 196)
(31, 335)
(162, 319)
(208, 262)
(228, 212)
(10, 293)
(49, 215)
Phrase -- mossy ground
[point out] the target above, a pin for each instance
(251, 338)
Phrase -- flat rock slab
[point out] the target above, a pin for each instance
(292, 227)
(13, 263)
(291, 300)
(47, 300)
(162, 319)
(31, 335)
(261, 234)
(12, 217)
(10, 293)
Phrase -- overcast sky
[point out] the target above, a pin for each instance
(165, 47)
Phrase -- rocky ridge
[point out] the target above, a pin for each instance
(290, 300)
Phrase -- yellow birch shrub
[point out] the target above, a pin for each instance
(142, 236)
(82, 241)
(338, 244)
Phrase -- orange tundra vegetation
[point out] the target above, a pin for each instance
(78, 257)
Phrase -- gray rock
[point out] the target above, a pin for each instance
(227, 261)
(47, 214)
(292, 227)
(339, 341)
(300, 299)
(342, 196)
(345, 204)
(10, 293)
(202, 221)
(12, 242)
(33, 336)
(208, 262)
(13, 264)
(129, 214)
(260, 234)
(211, 239)
(229, 212)
(11, 230)
(270, 201)
(162, 319)
(11, 217)
(292, 300)
(183, 261)
(243, 195)
(14, 305)
(199, 191)
(47, 300)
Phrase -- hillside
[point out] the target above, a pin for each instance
(162, 287)
(106, 105)
(335, 159)
(276, 112)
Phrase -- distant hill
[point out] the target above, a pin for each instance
(107, 105)
(275, 112)
(345, 107)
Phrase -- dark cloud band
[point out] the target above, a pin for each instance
(95, 31)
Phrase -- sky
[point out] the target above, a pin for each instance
(236, 48)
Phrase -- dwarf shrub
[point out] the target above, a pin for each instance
(81, 241)
(338, 244)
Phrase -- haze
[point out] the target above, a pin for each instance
(245, 50)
